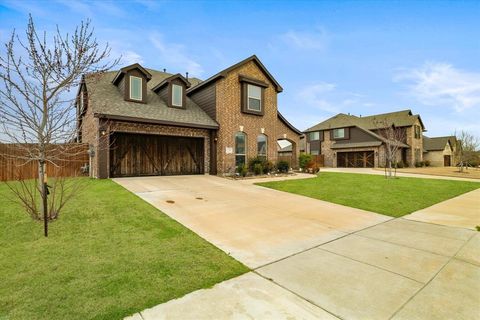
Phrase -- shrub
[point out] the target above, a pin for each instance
(257, 169)
(242, 170)
(268, 166)
(283, 166)
(253, 161)
(427, 163)
(419, 164)
(304, 160)
(400, 164)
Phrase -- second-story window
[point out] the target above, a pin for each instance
(177, 95)
(417, 132)
(339, 133)
(314, 136)
(136, 88)
(254, 95)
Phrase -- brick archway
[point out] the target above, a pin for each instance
(287, 152)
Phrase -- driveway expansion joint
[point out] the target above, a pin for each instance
(428, 282)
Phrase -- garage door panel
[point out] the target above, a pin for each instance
(138, 155)
(357, 159)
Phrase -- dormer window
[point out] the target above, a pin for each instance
(172, 90)
(131, 81)
(177, 95)
(136, 88)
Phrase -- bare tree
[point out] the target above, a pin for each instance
(38, 77)
(393, 139)
(466, 148)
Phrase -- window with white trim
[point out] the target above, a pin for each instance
(136, 88)
(177, 95)
(339, 133)
(254, 98)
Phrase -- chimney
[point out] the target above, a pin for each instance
(186, 75)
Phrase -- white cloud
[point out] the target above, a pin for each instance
(314, 95)
(174, 56)
(304, 40)
(441, 84)
(130, 57)
(89, 9)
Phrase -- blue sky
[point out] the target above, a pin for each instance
(330, 56)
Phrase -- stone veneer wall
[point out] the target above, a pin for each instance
(231, 118)
(325, 145)
(436, 157)
(415, 144)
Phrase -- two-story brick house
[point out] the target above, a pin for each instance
(349, 141)
(140, 121)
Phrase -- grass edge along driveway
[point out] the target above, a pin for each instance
(108, 256)
(391, 197)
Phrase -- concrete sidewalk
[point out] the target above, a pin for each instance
(399, 174)
(462, 211)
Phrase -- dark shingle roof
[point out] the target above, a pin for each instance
(436, 143)
(399, 119)
(107, 100)
(224, 72)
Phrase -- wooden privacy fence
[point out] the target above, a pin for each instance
(69, 164)
(319, 160)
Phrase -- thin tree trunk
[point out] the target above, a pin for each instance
(43, 188)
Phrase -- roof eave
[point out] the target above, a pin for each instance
(288, 124)
(155, 121)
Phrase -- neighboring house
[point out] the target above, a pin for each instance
(350, 141)
(439, 151)
(140, 121)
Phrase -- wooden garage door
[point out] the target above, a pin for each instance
(358, 159)
(143, 155)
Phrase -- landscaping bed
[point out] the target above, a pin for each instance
(109, 255)
(392, 197)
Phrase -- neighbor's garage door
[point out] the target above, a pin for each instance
(143, 155)
(358, 159)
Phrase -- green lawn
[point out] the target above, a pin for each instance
(108, 256)
(392, 197)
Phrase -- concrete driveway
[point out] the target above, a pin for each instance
(255, 225)
(311, 259)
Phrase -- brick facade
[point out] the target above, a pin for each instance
(232, 120)
(226, 110)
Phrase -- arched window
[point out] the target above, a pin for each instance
(262, 146)
(240, 148)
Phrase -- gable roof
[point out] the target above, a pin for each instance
(224, 72)
(436, 143)
(108, 101)
(167, 80)
(401, 118)
(124, 70)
